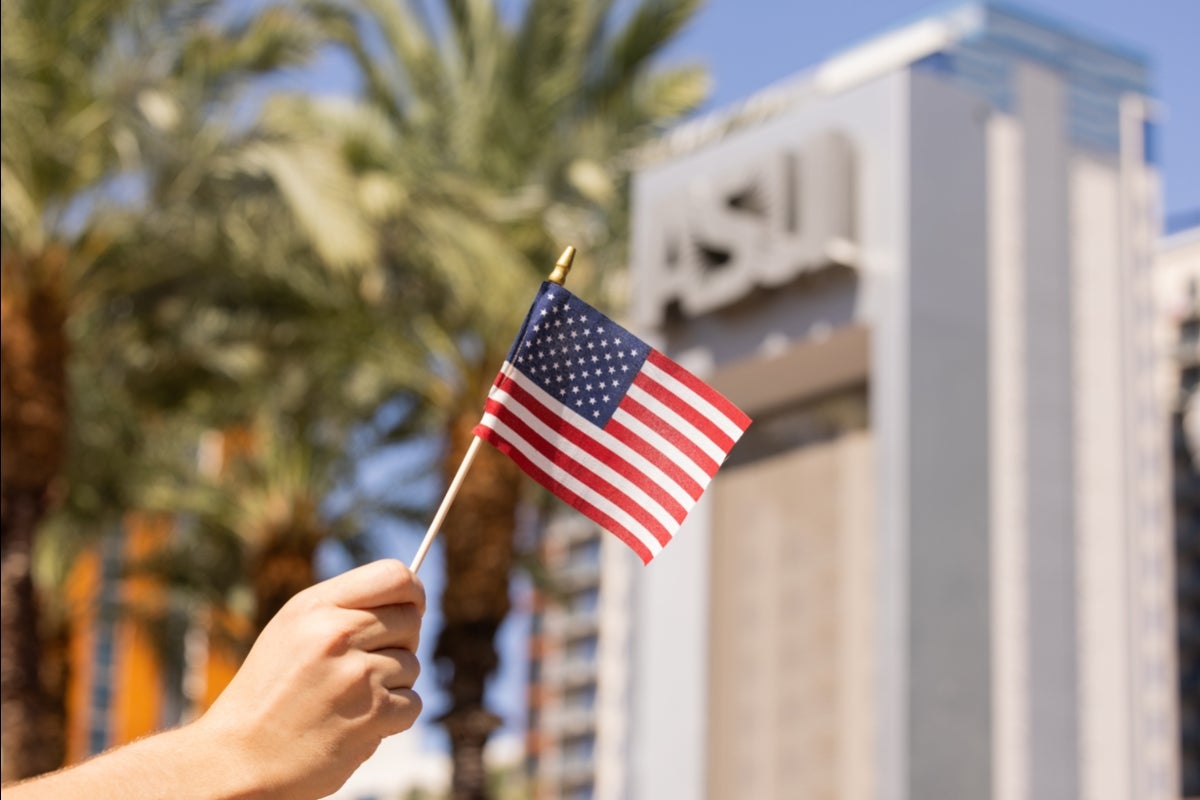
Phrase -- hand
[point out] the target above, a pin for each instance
(329, 677)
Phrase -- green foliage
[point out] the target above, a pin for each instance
(219, 271)
(332, 275)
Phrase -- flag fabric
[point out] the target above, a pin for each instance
(607, 423)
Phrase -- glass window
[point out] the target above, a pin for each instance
(585, 553)
(582, 649)
(586, 602)
(582, 698)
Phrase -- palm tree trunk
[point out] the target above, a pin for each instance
(283, 568)
(32, 439)
(478, 541)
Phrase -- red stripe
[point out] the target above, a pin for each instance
(670, 433)
(656, 457)
(630, 439)
(579, 438)
(580, 471)
(677, 404)
(699, 387)
(563, 493)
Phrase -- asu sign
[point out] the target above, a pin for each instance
(705, 240)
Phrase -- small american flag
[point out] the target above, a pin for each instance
(608, 424)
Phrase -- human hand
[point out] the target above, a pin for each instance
(329, 677)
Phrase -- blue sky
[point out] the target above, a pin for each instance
(749, 44)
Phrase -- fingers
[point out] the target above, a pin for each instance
(380, 583)
(386, 627)
(403, 708)
(395, 668)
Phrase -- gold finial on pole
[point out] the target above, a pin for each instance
(562, 266)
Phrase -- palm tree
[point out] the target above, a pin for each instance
(121, 119)
(498, 143)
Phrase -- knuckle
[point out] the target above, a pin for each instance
(414, 666)
(329, 632)
(305, 602)
(410, 625)
(410, 707)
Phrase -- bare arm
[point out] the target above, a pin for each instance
(327, 680)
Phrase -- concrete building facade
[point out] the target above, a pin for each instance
(1177, 291)
(939, 565)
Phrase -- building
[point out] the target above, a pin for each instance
(939, 565)
(564, 663)
(1177, 290)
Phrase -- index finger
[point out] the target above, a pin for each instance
(381, 583)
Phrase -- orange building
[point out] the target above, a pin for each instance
(121, 683)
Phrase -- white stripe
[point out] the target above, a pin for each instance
(574, 484)
(685, 393)
(672, 418)
(580, 456)
(635, 459)
(672, 453)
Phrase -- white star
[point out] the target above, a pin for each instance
(591, 345)
(601, 384)
(606, 398)
(612, 370)
(575, 389)
(596, 414)
(578, 402)
(562, 336)
(578, 347)
(595, 359)
(588, 387)
(604, 342)
(624, 368)
(608, 356)
(544, 312)
(592, 400)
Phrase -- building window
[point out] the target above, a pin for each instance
(581, 699)
(582, 649)
(586, 553)
(586, 602)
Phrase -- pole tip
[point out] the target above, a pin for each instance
(562, 266)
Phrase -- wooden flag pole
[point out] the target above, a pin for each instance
(559, 276)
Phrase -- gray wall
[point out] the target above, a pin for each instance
(949, 689)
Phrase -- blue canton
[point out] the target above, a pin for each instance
(577, 355)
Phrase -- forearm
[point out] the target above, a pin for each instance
(178, 764)
(327, 680)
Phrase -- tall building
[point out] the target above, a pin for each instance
(564, 663)
(939, 564)
(1177, 288)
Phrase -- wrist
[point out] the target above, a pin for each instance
(217, 763)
